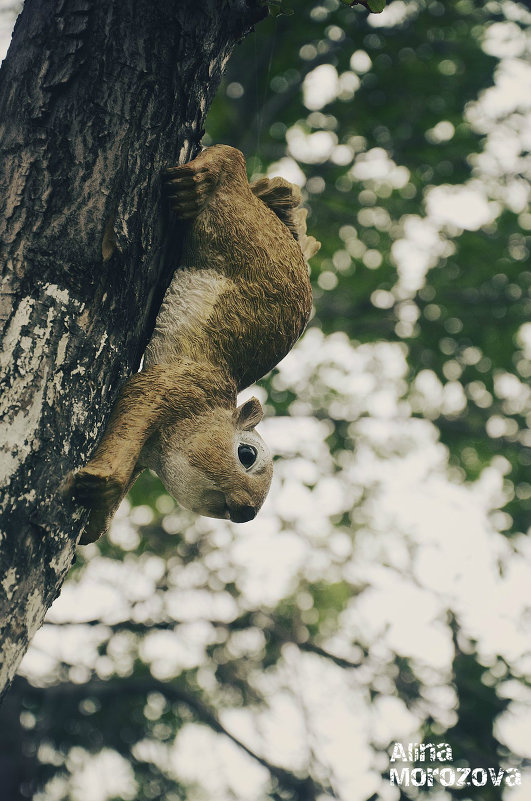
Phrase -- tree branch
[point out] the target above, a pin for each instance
(306, 789)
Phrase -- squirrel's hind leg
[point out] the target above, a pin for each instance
(189, 187)
(284, 199)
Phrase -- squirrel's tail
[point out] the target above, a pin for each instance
(284, 199)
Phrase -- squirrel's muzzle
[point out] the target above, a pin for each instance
(242, 514)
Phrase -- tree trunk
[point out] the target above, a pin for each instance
(96, 98)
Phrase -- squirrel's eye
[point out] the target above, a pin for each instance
(247, 455)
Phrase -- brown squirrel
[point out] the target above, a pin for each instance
(235, 307)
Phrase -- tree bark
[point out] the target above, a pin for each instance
(96, 98)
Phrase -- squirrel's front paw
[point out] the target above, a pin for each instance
(94, 488)
(99, 491)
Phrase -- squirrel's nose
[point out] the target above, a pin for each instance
(242, 514)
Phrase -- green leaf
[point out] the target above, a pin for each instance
(276, 8)
(376, 6)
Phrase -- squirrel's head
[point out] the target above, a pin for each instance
(215, 464)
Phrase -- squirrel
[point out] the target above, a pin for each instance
(236, 305)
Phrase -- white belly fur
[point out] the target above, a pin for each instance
(187, 305)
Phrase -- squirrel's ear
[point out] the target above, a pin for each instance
(249, 414)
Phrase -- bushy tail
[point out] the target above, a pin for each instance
(284, 199)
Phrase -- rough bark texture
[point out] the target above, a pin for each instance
(96, 98)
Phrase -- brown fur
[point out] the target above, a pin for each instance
(254, 239)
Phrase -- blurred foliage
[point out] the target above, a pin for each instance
(458, 323)
(463, 322)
